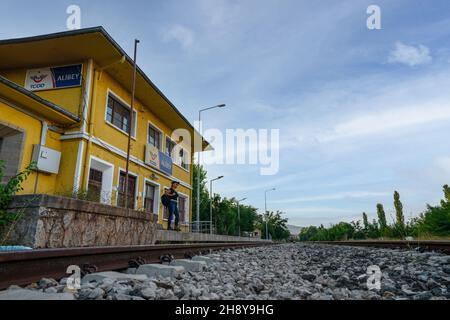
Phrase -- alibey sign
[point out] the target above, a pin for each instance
(53, 78)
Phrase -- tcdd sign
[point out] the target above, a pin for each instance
(54, 78)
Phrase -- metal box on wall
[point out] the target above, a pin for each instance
(47, 160)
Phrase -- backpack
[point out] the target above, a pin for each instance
(165, 200)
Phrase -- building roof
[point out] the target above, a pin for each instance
(83, 44)
(16, 94)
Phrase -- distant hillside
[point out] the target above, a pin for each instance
(294, 230)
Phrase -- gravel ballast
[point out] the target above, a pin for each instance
(287, 271)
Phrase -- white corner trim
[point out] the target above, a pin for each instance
(87, 94)
(77, 174)
(86, 104)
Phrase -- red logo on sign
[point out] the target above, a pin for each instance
(38, 78)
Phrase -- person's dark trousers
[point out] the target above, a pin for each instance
(173, 211)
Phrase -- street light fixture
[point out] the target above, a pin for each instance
(265, 208)
(239, 214)
(198, 159)
(210, 202)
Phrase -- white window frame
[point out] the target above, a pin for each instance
(136, 192)
(161, 135)
(186, 208)
(107, 179)
(177, 160)
(122, 101)
(165, 146)
(156, 203)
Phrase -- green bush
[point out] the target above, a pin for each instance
(9, 189)
(435, 221)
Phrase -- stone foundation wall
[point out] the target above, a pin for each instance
(56, 222)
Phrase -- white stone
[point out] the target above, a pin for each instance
(154, 270)
(207, 260)
(189, 265)
(100, 276)
(24, 294)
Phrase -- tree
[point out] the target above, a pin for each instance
(400, 219)
(436, 220)
(224, 215)
(277, 225)
(248, 219)
(204, 194)
(446, 195)
(382, 219)
(398, 229)
(365, 221)
(308, 233)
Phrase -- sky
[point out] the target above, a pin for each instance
(360, 112)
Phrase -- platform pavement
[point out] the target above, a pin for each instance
(174, 236)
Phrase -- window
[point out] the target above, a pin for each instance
(170, 145)
(182, 207)
(95, 185)
(149, 200)
(119, 115)
(154, 137)
(184, 163)
(11, 147)
(100, 182)
(131, 191)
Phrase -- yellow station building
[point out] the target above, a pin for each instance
(65, 105)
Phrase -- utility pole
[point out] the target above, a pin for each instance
(136, 41)
(239, 214)
(210, 202)
(197, 209)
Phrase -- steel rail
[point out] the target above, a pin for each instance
(25, 267)
(423, 245)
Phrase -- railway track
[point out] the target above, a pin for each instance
(426, 245)
(25, 267)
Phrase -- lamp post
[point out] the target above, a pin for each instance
(210, 202)
(198, 160)
(239, 214)
(265, 208)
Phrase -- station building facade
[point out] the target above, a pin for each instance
(65, 105)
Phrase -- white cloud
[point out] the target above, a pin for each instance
(220, 12)
(179, 33)
(324, 220)
(336, 196)
(443, 163)
(410, 55)
(387, 120)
